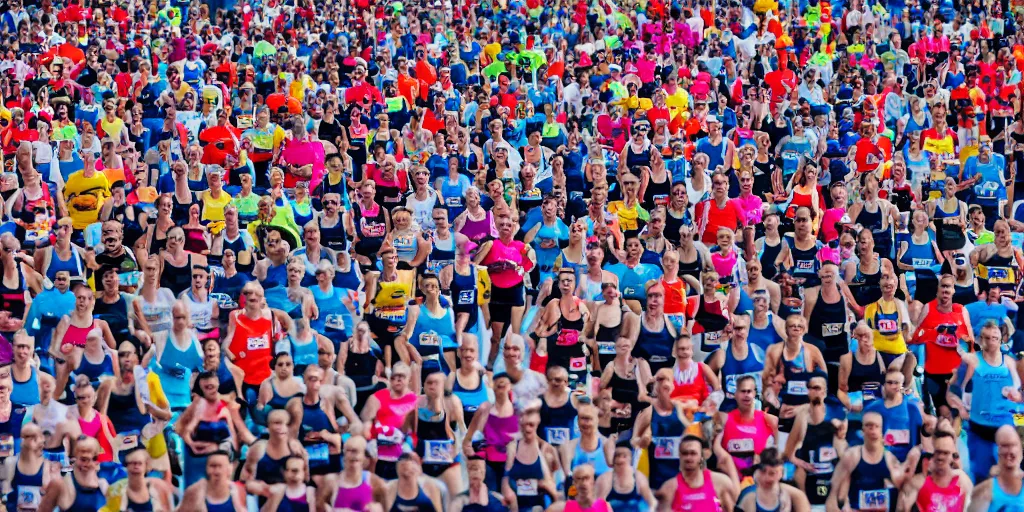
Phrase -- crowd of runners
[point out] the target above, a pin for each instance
(490, 255)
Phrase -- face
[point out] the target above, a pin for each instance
(690, 456)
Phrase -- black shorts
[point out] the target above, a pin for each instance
(935, 386)
(888, 358)
(383, 330)
(503, 300)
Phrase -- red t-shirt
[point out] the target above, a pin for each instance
(710, 217)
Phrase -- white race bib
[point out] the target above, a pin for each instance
(797, 387)
(874, 500)
(438, 451)
(257, 343)
(666, 447)
(29, 497)
(430, 339)
(557, 435)
(740, 446)
(897, 437)
(527, 487)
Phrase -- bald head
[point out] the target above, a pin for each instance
(1009, 448)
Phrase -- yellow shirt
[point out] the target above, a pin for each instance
(886, 320)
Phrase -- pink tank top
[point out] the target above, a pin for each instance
(724, 265)
(76, 335)
(703, 499)
(504, 263)
(393, 410)
(355, 498)
(598, 506)
(743, 439)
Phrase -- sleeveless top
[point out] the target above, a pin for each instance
(703, 498)
(932, 497)
(471, 399)
(990, 408)
(354, 498)
(421, 503)
(595, 458)
(764, 337)
(252, 347)
(26, 489)
(1003, 502)
(524, 479)
(663, 453)
(868, 489)
(743, 439)
(175, 367)
(87, 499)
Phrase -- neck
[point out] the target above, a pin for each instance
(137, 482)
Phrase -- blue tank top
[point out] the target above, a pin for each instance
(279, 401)
(72, 265)
(175, 370)
(26, 490)
(442, 254)
(921, 256)
(226, 506)
(546, 246)
(26, 394)
(523, 479)
(421, 503)
(431, 337)
(626, 500)
(96, 370)
(766, 336)
(304, 353)
(405, 245)
(453, 197)
(334, 321)
(656, 348)
(594, 458)
(663, 453)
(558, 424)
(899, 433)
(989, 407)
(347, 279)
(733, 369)
(867, 486)
(1003, 502)
(278, 298)
(464, 295)
(87, 499)
(277, 275)
(794, 391)
(745, 303)
(471, 399)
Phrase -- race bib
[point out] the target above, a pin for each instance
(805, 264)
(335, 321)
(831, 329)
(821, 490)
(257, 343)
(874, 500)
(557, 436)
(740, 446)
(29, 497)
(730, 382)
(129, 440)
(6, 445)
(439, 451)
(319, 454)
(453, 202)
(467, 297)
(797, 387)
(666, 447)
(577, 364)
(527, 487)
(827, 454)
(923, 262)
(945, 339)
(888, 326)
(870, 390)
(606, 347)
(897, 437)
(430, 339)
(660, 199)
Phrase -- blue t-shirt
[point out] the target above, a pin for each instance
(981, 311)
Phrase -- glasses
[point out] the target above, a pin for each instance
(893, 382)
(330, 202)
(198, 276)
(323, 353)
(180, 317)
(802, 219)
(124, 353)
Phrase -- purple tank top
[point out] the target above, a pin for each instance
(498, 433)
(355, 498)
(477, 230)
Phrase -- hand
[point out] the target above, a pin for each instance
(467, 449)
(804, 465)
